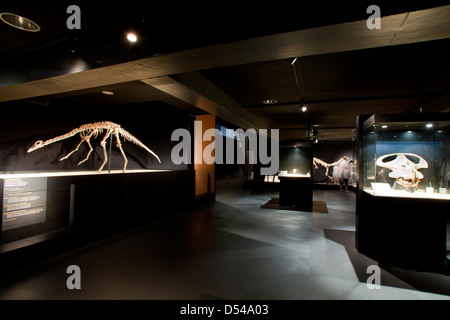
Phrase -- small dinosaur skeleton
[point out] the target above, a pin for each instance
(87, 131)
(404, 171)
(317, 161)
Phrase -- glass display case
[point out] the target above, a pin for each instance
(353, 168)
(403, 190)
(405, 157)
(294, 161)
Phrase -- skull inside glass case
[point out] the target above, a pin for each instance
(406, 157)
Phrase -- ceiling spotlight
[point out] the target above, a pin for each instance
(108, 93)
(19, 22)
(270, 101)
(429, 125)
(384, 127)
(131, 37)
(304, 109)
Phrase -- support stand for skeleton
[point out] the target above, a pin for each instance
(109, 160)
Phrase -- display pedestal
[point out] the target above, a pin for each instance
(409, 233)
(296, 191)
(37, 205)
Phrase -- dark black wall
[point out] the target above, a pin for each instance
(22, 123)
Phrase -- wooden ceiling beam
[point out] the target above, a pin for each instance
(418, 26)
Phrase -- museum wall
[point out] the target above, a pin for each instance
(23, 123)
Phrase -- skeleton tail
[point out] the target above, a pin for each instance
(129, 137)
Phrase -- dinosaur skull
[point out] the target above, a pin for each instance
(404, 171)
(37, 145)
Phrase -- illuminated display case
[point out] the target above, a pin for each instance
(354, 157)
(296, 187)
(402, 204)
(294, 161)
(406, 158)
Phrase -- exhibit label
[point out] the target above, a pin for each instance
(24, 202)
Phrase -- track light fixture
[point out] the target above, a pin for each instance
(19, 22)
(270, 101)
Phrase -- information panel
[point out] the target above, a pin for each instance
(24, 202)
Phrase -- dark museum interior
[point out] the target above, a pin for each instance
(328, 127)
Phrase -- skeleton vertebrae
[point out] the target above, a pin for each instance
(90, 130)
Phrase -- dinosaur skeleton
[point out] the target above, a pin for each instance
(90, 130)
(317, 161)
(404, 171)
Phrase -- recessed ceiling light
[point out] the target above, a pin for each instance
(384, 127)
(108, 93)
(429, 125)
(270, 101)
(19, 22)
(131, 37)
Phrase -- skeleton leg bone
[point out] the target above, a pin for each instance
(70, 153)
(88, 138)
(103, 144)
(119, 145)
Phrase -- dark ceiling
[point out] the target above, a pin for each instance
(335, 86)
(174, 26)
(163, 27)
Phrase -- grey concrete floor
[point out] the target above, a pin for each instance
(230, 249)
